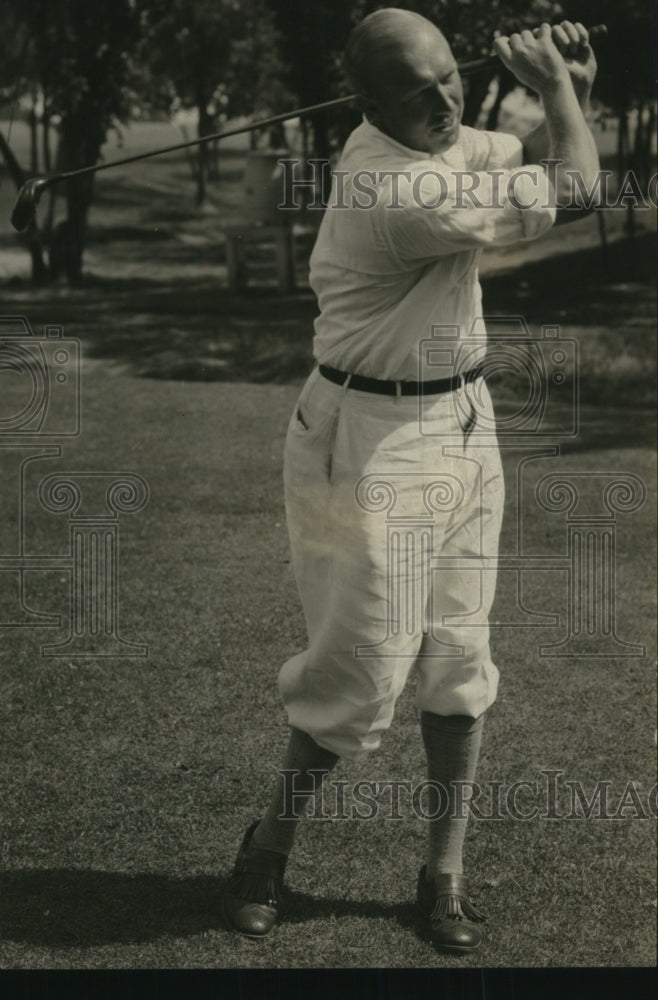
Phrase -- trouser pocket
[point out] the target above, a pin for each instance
(312, 430)
(316, 406)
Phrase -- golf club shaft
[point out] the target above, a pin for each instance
(466, 68)
(31, 191)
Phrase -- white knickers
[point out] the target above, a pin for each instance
(394, 509)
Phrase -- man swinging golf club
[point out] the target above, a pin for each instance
(386, 268)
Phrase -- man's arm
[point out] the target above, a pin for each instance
(572, 41)
(553, 62)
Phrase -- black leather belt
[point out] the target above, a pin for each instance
(386, 388)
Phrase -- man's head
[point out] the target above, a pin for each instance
(402, 67)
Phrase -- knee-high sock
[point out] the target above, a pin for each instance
(305, 756)
(452, 746)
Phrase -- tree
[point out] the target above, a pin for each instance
(217, 56)
(77, 51)
(18, 75)
(315, 35)
(625, 80)
(188, 42)
(255, 79)
(82, 49)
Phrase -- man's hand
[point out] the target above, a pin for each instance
(550, 61)
(572, 42)
(544, 58)
(533, 58)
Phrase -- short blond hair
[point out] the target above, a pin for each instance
(377, 38)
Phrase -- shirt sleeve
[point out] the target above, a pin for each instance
(446, 211)
(490, 150)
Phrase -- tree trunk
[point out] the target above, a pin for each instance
(34, 134)
(14, 168)
(79, 193)
(40, 273)
(603, 239)
(48, 166)
(638, 163)
(621, 142)
(321, 141)
(646, 146)
(213, 155)
(204, 128)
(624, 160)
(45, 138)
(322, 150)
(478, 88)
(17, 174)
(67, 249)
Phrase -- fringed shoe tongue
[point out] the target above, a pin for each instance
(253, 893)
(255, 888)
(452, 900)
(453, 919)
(457, 907)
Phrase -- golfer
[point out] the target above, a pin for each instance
(416, 197)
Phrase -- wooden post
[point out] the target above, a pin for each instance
(285, 263)
(284, 258)
(235, 261)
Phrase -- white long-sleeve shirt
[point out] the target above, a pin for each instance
(398, 247)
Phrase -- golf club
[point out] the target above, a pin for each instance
(31, 191)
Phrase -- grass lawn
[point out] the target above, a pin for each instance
(127, 783)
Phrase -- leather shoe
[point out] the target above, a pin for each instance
(252, 896)
(453, 917)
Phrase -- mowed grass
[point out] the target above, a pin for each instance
(127, 783)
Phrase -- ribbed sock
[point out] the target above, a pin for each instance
(303, 755)
(452, 747)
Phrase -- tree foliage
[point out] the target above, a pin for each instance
(627, 58)
(315, 35)
(77, 51)
(92, 61)
(219, 57)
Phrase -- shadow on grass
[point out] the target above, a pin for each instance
(581, 287)
(262, 337)
(303, 907)
(601, 429)
(194, 329)
(606, 419)
(79, 907)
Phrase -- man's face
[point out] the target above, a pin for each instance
(420, 100)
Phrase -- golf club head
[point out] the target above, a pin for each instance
(27, 201)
